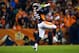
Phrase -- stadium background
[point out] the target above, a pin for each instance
(17, 26)
(16, 16)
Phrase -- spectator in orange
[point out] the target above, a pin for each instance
(67, 20)
(19, 14)
(17, 27)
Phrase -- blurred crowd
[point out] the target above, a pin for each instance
(18, 14)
